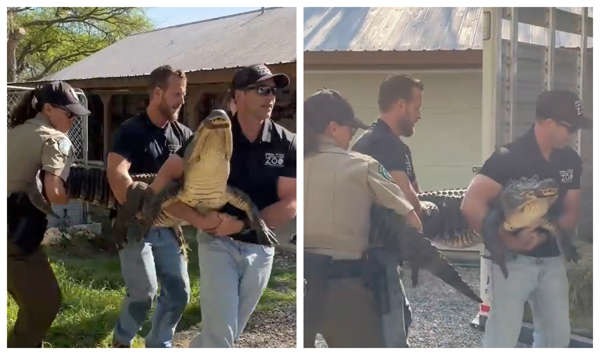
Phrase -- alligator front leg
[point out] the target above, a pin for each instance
(489, 230)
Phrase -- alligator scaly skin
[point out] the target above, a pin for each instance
(390, 230)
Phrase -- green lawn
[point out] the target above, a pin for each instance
(93, 289)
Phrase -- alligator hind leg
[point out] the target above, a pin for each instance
(240, 200)
(564, 241)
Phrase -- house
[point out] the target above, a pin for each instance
(114, 79)
(354, 49)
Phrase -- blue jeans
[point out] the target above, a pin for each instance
(543, 283)
(157, 258)
(233, 276)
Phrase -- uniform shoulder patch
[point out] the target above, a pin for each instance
(383, 172)
(64, 145)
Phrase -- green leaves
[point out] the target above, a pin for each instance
(58, 37)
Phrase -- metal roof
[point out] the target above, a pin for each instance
(408, 28)
(267, 36)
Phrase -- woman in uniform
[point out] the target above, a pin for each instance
(339, 188)
(36, 141)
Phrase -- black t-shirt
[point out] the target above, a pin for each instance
(382, 144)
(256, 166)
(147, 146)
(523, 158)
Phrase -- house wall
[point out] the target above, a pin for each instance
(447, 141)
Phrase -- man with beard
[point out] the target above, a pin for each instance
(141, 145)
(400, 108)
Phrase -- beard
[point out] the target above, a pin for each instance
(406, 128)
(168, 112)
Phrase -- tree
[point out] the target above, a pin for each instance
(44, 40)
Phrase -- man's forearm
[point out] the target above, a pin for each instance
(279, 213)
(119, 184)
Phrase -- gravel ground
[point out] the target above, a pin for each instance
(442, 316)
(275, 328)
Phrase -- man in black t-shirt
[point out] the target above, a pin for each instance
(536, 269)
(141, 145)
(399, 101)
(234, 268)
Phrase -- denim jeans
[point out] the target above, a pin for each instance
(233, 276)
(543, 283)
(144, 264)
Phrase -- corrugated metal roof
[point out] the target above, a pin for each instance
(403, 29)
(225, 42)
(388, 29)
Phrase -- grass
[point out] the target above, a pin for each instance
(92, 292)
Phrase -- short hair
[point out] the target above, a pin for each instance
(159, 77)
(396, 87)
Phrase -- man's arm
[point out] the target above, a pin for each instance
(54, 189)
(401, 179)
(283, 211)
(388, 194)
(571, 210)
(475, 206)
(117, 172)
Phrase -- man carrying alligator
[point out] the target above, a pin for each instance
(141, 145)
(535, 267)
(235, 269)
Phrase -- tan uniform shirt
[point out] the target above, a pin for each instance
(33, 145)
(339, 188)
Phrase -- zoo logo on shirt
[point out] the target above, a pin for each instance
(274, 159)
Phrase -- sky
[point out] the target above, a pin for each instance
(170, 16)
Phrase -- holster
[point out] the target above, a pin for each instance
(26, 223)
(383, 277)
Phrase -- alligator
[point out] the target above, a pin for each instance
(204, 185)
(443, 220)
(524, 203)
(388, 229)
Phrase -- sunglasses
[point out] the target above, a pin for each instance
(68, 113)
(263, 90)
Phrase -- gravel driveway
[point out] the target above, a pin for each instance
(441, 315)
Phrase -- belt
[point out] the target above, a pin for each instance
(345, 269)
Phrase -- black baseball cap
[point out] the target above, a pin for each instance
(562, 106)
(327, 105)
(61, 94)
(253, 74)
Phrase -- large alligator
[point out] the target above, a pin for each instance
(389, 230)
(524, 203)
(443, 221)
(204, 185)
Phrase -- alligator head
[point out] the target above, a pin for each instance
(526, 201)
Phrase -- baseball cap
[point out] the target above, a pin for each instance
(562, 106)
(327, 105)
(253, 74)
(61, 94)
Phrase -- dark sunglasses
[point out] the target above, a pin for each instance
(263, 90)
(69, 114)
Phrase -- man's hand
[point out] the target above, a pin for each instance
(229, 225)
(525, 240)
